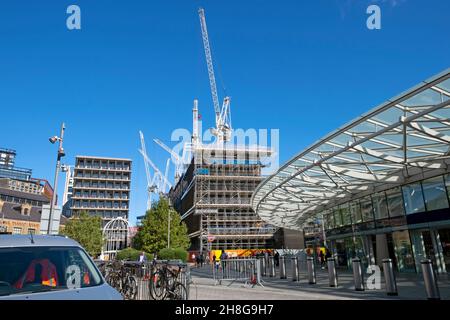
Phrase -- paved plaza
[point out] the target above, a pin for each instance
(410, 287)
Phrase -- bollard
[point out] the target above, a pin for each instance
(258, 273)
(430, 280)
(357, 274)
(271, 267)
(283, 267)
(389, 277)
(332, 275)
(263, 267)
(295, 274)
(311, 270)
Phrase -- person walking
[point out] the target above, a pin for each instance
(223, 257)
(142, 257)
(276, 257)
(322, 259)
(327, 254)
(202, 260)
(193, 258)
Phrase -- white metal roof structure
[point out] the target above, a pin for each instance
(402, 139)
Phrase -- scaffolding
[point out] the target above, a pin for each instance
(213, 198)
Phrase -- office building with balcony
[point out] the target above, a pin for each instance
(101, 187)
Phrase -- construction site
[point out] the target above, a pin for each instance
(214, 182)
(213, 198)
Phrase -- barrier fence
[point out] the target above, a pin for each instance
(237, 270)
(253, 270)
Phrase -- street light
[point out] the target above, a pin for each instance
(60, 154)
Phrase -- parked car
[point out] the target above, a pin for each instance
(35, 267)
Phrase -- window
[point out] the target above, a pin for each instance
(31, 231)
(345, 213)
(447, 184)
(355, 211)
(17, 266)
(329, 220)
(337, 217)
(380, 207)
(403, 251)
(413, 198)
(435, 193)
(395, 202)
(366, 209)
(17, 230)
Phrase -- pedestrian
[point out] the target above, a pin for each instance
(322, 259)
(276, 257)
(223, 258)
(142, 257)
(202, 260)
(193, 258)
(327, 254)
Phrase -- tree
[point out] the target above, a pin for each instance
(87, 230)
(152, 235)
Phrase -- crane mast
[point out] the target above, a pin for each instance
(223, 118)
(209, 63)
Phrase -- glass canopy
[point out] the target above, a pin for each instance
(406, 137)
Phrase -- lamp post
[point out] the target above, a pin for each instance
(168, 232)
(58, 164)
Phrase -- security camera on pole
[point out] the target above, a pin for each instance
(61, 154)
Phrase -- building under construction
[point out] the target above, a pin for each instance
(214, 190)
(213, 198)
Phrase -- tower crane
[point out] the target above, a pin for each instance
(223, 115)
(177, 159)
(159, 182)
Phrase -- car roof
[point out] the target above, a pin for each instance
(8, 241)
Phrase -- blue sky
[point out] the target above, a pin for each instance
(303, 67)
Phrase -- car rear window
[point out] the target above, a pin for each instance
(38, 269)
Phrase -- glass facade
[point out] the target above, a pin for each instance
(444, 235)
(380, 206)
(395, 202)
(435, 193)
(345, 214)
(388, 209)
(367, 209)
(413, 198)
(403, 251)
(355, 211)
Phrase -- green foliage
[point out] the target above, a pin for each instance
(181, 254)
(173, 254)
(166, 254)
(87, 231)
(152, 235)
(132, 254)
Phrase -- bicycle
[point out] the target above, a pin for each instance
(119, 278)
(129, 287)
(165, 284)
(175, 290)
